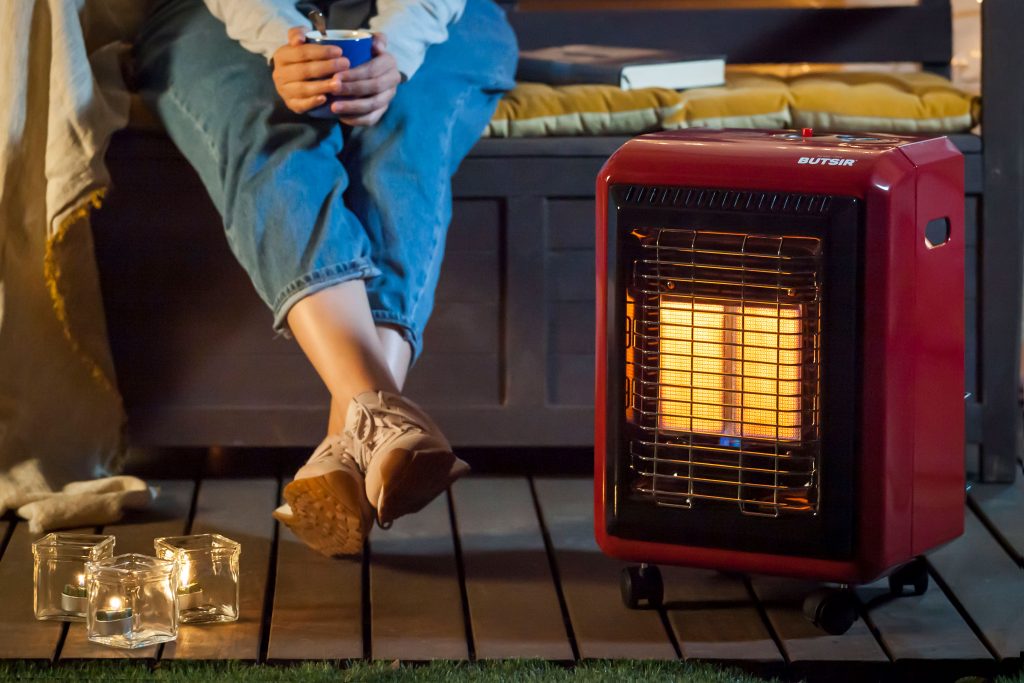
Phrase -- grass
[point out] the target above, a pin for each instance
(524, 671)
(436, 672)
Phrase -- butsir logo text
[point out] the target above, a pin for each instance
(826, 161)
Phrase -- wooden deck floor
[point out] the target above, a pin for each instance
(507, 567)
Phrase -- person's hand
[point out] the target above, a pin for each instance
(371, 86)
(304, 75)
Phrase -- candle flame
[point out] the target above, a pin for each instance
(115, 604)
(81, 580)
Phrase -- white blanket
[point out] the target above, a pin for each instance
(61, 98)
(95, 502)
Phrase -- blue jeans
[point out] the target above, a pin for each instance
(307, 203)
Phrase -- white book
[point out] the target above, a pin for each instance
(629, 68)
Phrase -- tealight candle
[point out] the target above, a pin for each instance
(190, 593)
(207, 576)
(116, 620)
(59, 586)
(74, 597)
(132, 601)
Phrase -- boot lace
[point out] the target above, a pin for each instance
(376, 426)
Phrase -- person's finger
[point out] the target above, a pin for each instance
(367, 120)
(295, 54)
(303, 104)
(296, 35)
(380, 42)
(377, 66)
(368, 88)
(372, 69)
(304, 89)
(363, 105)
(304, 71)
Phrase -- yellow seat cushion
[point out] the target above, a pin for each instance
(909, 102)
(537, 110)
(917, 102)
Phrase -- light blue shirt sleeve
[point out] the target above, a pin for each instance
(411, 26)
(261, 26)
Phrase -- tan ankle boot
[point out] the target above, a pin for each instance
(405, 457)
(326, 503)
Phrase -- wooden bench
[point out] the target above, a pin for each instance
(509, 352)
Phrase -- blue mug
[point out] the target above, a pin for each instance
(355, 47)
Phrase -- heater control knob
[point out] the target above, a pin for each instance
(641, 584)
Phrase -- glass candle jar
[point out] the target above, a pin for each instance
(207, 576)
(59, 560)
(132, 601)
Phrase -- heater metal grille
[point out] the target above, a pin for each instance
(722, 365)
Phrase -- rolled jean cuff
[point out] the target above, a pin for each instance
(357, 269)
(405, 327)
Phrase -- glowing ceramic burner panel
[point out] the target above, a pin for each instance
(732, 370)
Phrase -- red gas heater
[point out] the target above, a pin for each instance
(780, 351)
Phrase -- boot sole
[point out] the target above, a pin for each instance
(327, 513)
(418, 478)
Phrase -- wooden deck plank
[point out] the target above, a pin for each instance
(603, 626)
(239, 509)
(803, 642)
(415, 597)
(21, 636)
(988, 583)
(921, 627)
(715, 618)
(167, 517)
(1003, 507)
(513, 604)
(318, 604)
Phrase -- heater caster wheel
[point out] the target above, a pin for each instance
(641, 584)
(910, 579)
(833, 611)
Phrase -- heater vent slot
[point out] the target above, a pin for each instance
(722, 367)
(727, 200)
